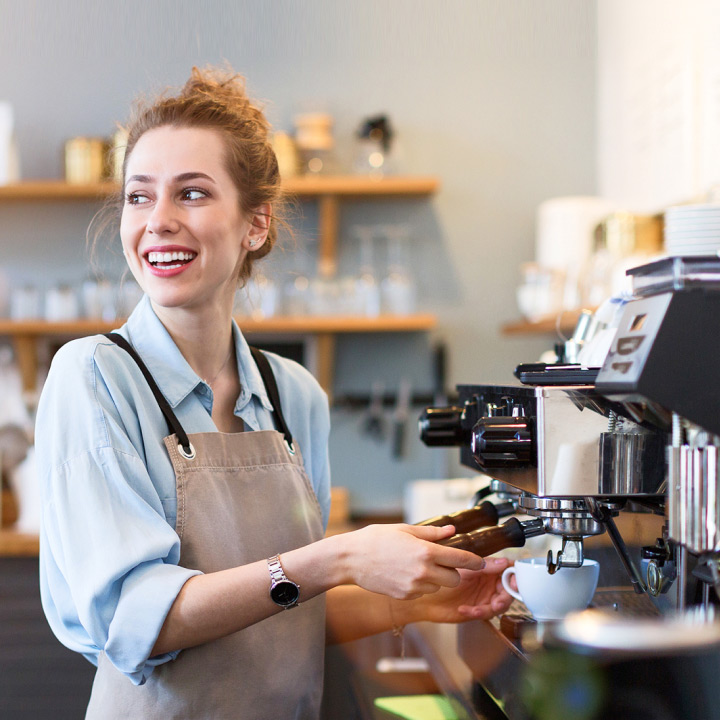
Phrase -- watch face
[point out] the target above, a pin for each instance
(285, 593)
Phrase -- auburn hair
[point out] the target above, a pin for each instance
(216, 99)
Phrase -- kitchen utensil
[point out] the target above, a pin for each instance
(373, 423)
(400, 418)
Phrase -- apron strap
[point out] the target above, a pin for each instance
(268, 377)
(172, 421)
(174, 425)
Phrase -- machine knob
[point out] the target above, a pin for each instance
(503, 442)
(442, 427)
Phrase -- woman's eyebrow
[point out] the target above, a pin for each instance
(192, 176)
(139, 178)
(182, 177)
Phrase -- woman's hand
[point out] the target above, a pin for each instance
(479, 596)
(403, 561)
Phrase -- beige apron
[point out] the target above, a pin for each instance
(243, 497)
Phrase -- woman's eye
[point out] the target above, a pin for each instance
(135, 199)
(193, 194)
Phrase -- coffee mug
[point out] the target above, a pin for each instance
(551, 597)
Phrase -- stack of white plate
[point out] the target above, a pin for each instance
(692, 229)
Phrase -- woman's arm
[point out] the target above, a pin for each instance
(398, 561)
(353, 612)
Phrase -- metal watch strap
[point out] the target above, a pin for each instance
(276, 569)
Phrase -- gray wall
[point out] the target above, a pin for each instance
(495, 97)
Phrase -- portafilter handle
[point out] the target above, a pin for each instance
(488, 541)
(485, 514)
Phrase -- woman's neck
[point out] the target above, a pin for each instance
(204, 338)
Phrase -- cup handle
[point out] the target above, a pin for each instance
(506, 583)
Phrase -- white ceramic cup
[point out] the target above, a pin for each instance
(551, 597)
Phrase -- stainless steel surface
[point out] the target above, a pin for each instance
(624, 460)
(494, 661)
(567, 432)
(533, 528)
(438, 644)
(596, 630)
(682, 577)
(562, 516)
(645, 439)
(570, 427)
(694, 485)
(500, 663)
(676, 273)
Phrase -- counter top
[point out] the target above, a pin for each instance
(439, 645)
(16, 544)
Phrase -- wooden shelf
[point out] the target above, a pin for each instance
(340, 324)
(25, 334)
(564, 324)
(279, 324)
(329, 191)
(360, 185)
(303, 186)
(15, 544)
(56, 190)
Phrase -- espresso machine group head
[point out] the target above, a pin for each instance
(561, 452)
(574, 446)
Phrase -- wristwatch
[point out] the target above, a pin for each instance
(283, 592)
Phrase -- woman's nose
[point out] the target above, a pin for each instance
(163, 218)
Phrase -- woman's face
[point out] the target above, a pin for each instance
(183, 233)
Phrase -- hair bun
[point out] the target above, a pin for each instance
(215, 98)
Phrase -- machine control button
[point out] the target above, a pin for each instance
(628, 345)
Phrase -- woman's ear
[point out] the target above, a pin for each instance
(259, 226)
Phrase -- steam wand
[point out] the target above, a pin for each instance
(602, 514)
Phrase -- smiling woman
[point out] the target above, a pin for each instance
(212, 100)
(216, 100)
(185, 235)
(184, 514)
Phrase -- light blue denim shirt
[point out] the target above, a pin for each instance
(108, 548)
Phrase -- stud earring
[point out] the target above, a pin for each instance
(252, 243)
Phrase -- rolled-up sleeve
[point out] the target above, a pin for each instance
(108, 579)
(109, 557)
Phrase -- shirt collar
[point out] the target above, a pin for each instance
(172, 372)
(251, 382)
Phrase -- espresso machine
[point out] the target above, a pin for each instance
(572, 447)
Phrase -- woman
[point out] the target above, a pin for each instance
(182, 548)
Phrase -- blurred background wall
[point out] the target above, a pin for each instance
(496, 98)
